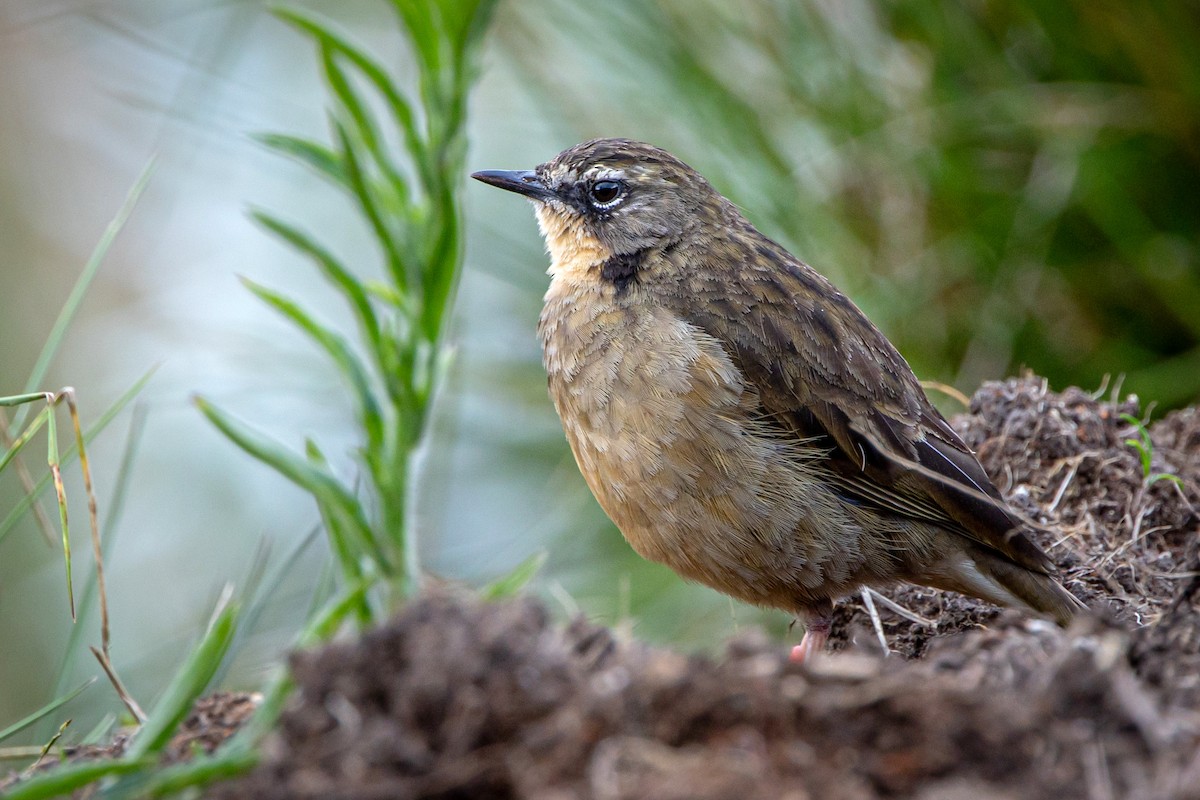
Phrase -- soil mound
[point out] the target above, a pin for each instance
(459, 699)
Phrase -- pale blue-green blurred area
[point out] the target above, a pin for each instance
(89, 94)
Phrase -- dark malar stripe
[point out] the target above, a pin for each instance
(622, 270)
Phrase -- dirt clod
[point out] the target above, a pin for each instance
(459, 699)
(212, 720)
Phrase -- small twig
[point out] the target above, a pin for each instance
(47, 747)
(911, 616)
(875, 621)
(122, 692)
(1143, 512)
(1137, 536)
(1069, 532)
(1115, 395)
(1096, 772)
(1174, 576)
(1139, 708)
(1178, 486)
(1062, 488)
(53, 740)
(947, 390)
(564, 598)
(93, 515)
(26, 752)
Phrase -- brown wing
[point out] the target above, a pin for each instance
(823, 370)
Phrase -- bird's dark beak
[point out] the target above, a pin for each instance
(521, 181)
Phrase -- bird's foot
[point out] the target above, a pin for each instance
(816, 633)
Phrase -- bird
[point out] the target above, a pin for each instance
(739, 418)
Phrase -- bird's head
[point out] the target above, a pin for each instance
(609, 197)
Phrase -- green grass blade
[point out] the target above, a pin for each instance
(338, 350)
(115, 506)
(475, 18)
(270, 583)
(27, 434)
(319, 629)
(317, 482)
(397, 206)
(79, 290)
(100, 730)
(69, 777)
(45, 710)
(364, 194)
(60, 491)
(440, 276)
(22, 399)
(334, 271)
(423, 33)
(22, 505)
(199, 771)
(190, 680)
(401, 109)
(342, 541)
(347, 540)
(364, 121)
(516, 580)
(320, 158)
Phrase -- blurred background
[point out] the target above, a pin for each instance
(998, 185)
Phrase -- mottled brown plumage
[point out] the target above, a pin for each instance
(738, 417)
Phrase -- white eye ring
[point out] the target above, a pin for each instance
(605, 193)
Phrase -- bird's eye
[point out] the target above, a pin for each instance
(604, 193)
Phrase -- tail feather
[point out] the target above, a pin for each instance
(994, 578)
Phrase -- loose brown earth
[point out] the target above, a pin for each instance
(459, 699)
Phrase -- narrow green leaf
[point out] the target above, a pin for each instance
(22, 399)
(366, 132)
(508, 585)
(60, 492)
(345, 541)
(319, 629)
(45, 710)
(22, 505)
(400, 108)
(29, 432)
(75, 298)
(350, 286)
(318, 482)
(312, 154)
(477, 18)
(69, 777)
(1155, 477)
(267, 589)
(338, 349)
(364, 121)
(189, 682)
(422, 32)
(365, 196)
(200, 771)
(100, 730)
(441, 273)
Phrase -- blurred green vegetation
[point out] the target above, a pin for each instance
(394, 366)
(408, 198)
(997, 184)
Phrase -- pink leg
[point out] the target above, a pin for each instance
(817, 622)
